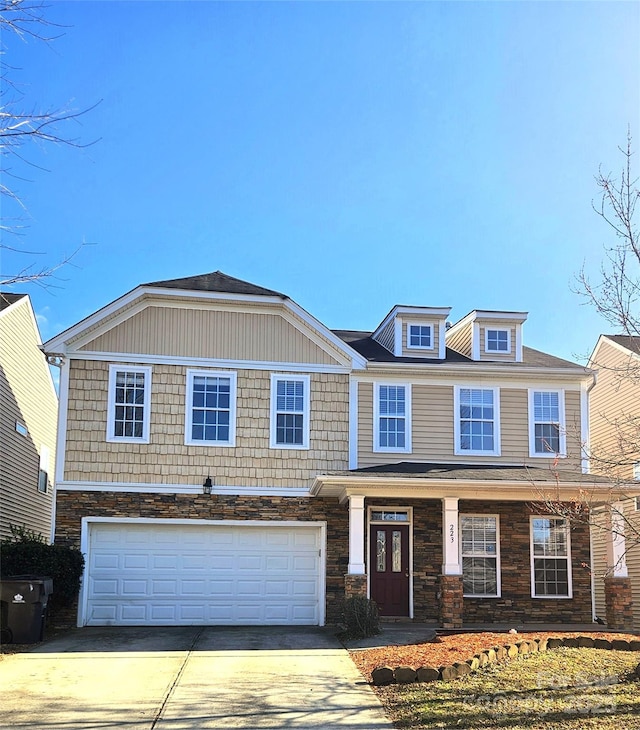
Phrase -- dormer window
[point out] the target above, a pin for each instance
(420, 336)
(498, 340)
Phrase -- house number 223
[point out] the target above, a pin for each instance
(451, 532)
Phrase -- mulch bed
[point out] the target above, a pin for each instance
(454, 648)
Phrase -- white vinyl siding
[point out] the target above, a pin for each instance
(550, 558)
(480, 553)
(392, 417)
(290, 404)
(477, 421)
(547, 432)
(210, 408)
(128, 411)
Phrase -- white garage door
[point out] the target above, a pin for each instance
(177, 574)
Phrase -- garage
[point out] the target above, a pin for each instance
(173, 572)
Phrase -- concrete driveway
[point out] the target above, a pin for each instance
(187, 678)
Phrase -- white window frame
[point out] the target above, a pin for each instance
(306, 380)
(406, 449)
(552, 557)
(233, 382)
(111, 406)
(420, 347)
(457, 431)
(43, 470)
(486, 340)
(561, 425)
(496, 517)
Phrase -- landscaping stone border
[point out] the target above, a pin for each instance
(406, 675)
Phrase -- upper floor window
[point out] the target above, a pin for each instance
(546, 423)
(480, 555)
(477, 424)
(290, 411)
(550, 553)
(211, 408)
(43, 472)
(497, 340)
(420, 336)
(128, 408)
(392, 418)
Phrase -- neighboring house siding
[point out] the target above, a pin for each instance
(601, 569)
(614, 407)
(207, 333)
(167, 460)
(460, 341)
(28, 397)
(433, 428)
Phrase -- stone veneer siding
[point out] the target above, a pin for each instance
(72, 506)
(166, 459)
(619, 603)
(516, 603)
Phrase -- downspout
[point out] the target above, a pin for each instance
(591, 555)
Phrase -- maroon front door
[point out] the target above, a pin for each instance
(389, 568)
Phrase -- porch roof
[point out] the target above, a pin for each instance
(470, 481)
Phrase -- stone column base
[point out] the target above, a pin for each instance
(451, 601)
(619, 603)
(355, 585)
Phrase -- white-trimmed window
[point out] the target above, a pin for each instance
(290, 411)
(550, 558)
(547, 435)
(43, 471)
(480, 543)
(497, 340)
(477, 421)
(420, 336)
(211, 408)
(392, 417)
(128, 410)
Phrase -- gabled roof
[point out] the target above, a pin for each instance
(631, 342)
(7, 299)
(216, 281)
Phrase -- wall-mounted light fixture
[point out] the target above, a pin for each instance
(206, 485)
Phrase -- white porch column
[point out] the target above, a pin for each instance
(616, 542)
(356, 535)
(450, 539)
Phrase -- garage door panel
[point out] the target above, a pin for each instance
(178, 574)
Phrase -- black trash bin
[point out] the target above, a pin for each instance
(24, 601)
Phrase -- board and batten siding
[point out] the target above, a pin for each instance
(167, 460)
(600, 567)
(27, 396)
(432, 416)
(213, 333)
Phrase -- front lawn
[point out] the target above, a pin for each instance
(566, 688)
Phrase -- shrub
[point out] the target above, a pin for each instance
(27, 553)
(360, 618)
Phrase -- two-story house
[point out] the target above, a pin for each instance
(28, 419)
(225, 458)
(614, 416)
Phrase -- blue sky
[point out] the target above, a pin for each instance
(351, 155)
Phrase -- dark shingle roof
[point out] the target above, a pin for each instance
(216, 281)
(631, 342)
(475, 472)
(373, 351)
(7, 299)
